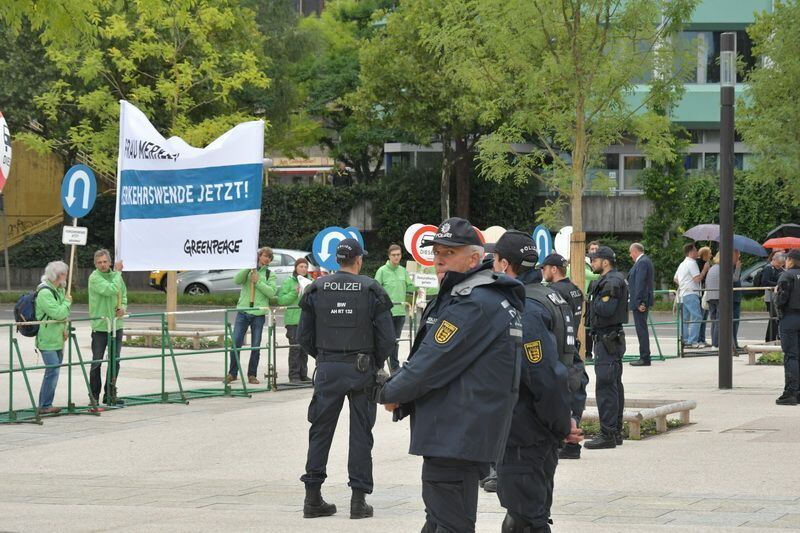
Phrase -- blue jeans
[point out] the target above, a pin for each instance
(256, 325)
(692, 315)
(48, 390)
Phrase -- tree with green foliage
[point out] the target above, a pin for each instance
(331, 72)
(405, 83)
(561, 75)
(54, 21)
(183, 63)
(770, 116)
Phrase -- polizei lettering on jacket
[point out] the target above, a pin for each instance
(341, 286)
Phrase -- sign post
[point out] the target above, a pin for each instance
(78, 194)
(326, 241)
(5, 169)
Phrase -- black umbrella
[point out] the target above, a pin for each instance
(785, 230)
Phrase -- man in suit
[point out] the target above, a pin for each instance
(640, 285)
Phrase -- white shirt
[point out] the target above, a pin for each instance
(685, 275)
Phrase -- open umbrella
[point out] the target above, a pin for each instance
(785, 230)
(782, 243)
(747, 245)
(703, 232)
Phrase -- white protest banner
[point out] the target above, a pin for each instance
(186, 208)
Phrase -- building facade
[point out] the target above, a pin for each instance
(698, 112)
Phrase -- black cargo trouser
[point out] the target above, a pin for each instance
(525, 482)
(333, 382)
(99, 345)
(790, 344)
(609, 391)
(298, 358)
(450, 493)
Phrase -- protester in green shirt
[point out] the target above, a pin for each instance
(289, 296)
(52, 304)
(396, 281)
(258, 286)
(108, 299)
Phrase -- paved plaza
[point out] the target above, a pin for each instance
(232, 464)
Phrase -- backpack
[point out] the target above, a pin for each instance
(25, 311)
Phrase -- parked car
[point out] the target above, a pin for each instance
(749, 274)
(221, 281)
(158, 280)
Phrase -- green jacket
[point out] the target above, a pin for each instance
(289, 297)
(264, 289)
(49, 307)
(396, 281)
(104, 290)
(590, 277)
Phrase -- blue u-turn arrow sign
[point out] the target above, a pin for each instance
(544, 241)
(78, 191)
(326, 241)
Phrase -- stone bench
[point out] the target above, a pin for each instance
(195, 334)
(755, 349)
(637, 411)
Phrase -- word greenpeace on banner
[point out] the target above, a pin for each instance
(139, 149)
(212, 247)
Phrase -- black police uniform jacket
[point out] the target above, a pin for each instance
(463, 373)
(375, 317)
(542, 413)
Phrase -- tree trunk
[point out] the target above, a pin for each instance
(462, 175)
(578, 242)
(445, 184)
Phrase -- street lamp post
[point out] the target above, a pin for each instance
(727, 62)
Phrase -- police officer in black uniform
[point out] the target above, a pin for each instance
(460, 382)
(554, 272)
(541, 418)
(787, 300)
(608, 312)
(346, 325)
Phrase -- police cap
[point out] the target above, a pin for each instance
(556, 260)
(793, 254)
(604, 252)
(515, 247)
(349, 248)
(455, 231)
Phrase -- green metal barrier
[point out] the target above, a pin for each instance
(32, 414)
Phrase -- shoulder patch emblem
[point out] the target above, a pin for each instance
(445, 332)
(533, 351)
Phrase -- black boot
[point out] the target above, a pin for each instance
(618, 440)
(359, 508)
(314, 506)
(570, 451)
(512, 525)
(604, 440)
(787, 398)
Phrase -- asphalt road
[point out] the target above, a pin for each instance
(752, 327)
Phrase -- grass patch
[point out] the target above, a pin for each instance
(178, 343)
(748, 305)
(771, 358)
(592, 429)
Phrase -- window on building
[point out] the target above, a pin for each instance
(692, 162)
(738, 161)
(711, 161)
(633, 165)
(702, 55)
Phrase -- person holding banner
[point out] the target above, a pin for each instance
(52, 303)
(289, 296)
(258, 286)
(394, 278)
(108, 298)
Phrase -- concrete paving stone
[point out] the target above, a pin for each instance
(632, 520)
(615, 510)
(669, 502)
(558, 518)
(711, 518)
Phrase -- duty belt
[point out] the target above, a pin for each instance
(337, 358)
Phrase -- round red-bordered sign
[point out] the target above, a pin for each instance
(423, 256)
